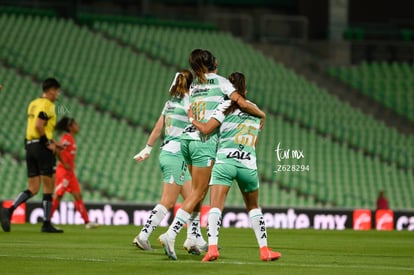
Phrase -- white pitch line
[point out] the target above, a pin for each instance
(221, 262)
(58, 258)
(367, 267)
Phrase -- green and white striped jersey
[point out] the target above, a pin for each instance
(237, 137)
(204, 99)
(175, 120)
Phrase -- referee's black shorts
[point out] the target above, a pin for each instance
(40, 161)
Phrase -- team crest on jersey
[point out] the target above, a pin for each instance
(169, 107)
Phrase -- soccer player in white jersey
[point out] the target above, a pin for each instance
(176, 178)
(207, 91)
(235, 160)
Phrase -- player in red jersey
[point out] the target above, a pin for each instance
(66, 180)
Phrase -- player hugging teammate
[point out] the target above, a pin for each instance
(199, 149)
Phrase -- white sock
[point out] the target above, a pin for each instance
(154, 219)
(194, 228)
(259, 227)
(213, 227)
(178, 223)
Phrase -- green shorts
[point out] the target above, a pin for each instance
(173, 168)
(199, 153)
(224, 174)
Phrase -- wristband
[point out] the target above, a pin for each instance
(191, 120)
(146, 151)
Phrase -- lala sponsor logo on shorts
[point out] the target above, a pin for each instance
(291, 155)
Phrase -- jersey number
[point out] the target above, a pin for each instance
(246, 135)
(199, 110)
(167, 125)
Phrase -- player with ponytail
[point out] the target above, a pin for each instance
(199, 150)
(176, 178)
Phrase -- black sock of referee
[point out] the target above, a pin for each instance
(47, 208)
(21, 198)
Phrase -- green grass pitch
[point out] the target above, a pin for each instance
(109, 250)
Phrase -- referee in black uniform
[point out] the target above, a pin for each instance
(40, 155)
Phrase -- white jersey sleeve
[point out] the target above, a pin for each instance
(164, 110)
(219, 112)
(226, 86)
(186, 102)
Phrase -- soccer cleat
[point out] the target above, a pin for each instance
(266, 254)
(191, 246)
(91, 225)
(5, 219)
(212, 254)
(143, 244)
(168, 246)
(49, 228)
(204, 247)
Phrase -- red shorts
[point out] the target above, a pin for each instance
(66, 182)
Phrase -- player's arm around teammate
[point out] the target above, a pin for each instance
(199, 151)
(236, 160)
(249, 107)
(176, 178)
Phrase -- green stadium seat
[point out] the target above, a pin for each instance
(106, 84)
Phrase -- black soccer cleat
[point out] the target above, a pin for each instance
(49, 228)
(5, 219)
